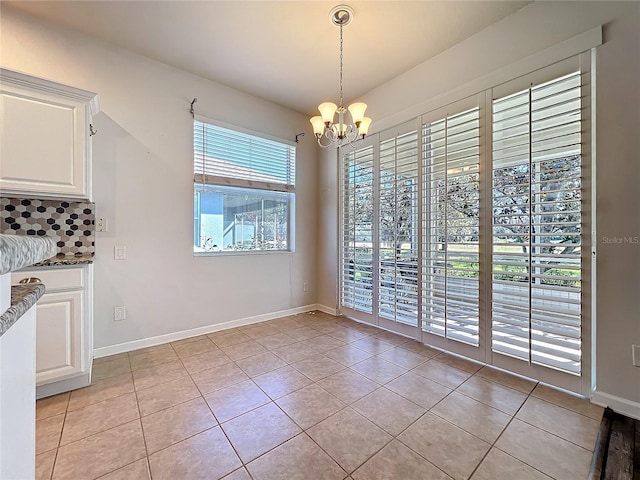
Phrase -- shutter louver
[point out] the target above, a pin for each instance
(536, 192)
(357, 231)
(451, 207)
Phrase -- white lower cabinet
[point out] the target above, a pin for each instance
(59, 336)
(63, 329)
(17, 403)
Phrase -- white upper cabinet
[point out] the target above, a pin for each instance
(45, 137)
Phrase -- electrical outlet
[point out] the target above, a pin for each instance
(101, 224)
(119, 313)
(635, 355)
(120, 252)
(305, 286)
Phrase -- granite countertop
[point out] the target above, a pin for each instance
(18, 251)
(23, 297)
(62, 259)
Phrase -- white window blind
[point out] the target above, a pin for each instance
(357, 230)
(451, 226)
(398, 229)
(244, 191)
(227, 157)
(536, 221)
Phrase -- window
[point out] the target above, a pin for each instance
(398, 230)
(244, 191)
(465, 227)
(536, 268)
(451, 223)
(357, 231)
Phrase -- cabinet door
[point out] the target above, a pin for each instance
(44, 136)
(59, 336)
(44, 143)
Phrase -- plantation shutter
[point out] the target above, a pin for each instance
(398, 228)
(536, 221)
(451, 226)
(357, 231)
(228, 157)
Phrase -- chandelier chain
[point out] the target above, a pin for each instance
(341, 58)
(351, 126)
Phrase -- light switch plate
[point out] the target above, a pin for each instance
(120, 252)
(636, 355)
(119, 313)
(101, 224)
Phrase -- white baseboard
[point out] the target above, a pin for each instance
(53, 388)
(172, 337)
(325, 309)
(617, 404)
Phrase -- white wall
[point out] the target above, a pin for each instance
(143, 185)
(618, 207)
(462, 68)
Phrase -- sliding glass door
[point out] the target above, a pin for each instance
(465, 227)
(539, 269)
(357, 232)
(398, 240)
(451, 228)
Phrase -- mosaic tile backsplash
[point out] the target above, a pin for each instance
(70, 224)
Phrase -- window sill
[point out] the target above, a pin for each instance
(242, 252)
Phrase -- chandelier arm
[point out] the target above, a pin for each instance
(357, 142)
(350, 131)
(319, 138)
(331, 135)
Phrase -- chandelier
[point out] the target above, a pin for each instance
(341, 132)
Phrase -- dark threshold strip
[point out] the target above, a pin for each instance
(616, 455)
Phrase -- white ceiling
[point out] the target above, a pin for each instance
(285, 51)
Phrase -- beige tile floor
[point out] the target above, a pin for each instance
(310, 397)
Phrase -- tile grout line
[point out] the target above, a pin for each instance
(105, 399)
(396, 437)
(415, 421)
(554, 434)
(64, 420)
(144, 437)
(146, 457)
(484, 403)
(82, 438)
(135, 391)
(349, 344)
(456, 426)
(562, 406)
(369, 458)
(493, 445)
(531, 395)
(347, 405)
(274, 401)
(219, 424)
(99, 431)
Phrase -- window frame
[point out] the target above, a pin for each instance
(483, 352)
(203, 179)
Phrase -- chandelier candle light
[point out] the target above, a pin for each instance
(340, 133)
